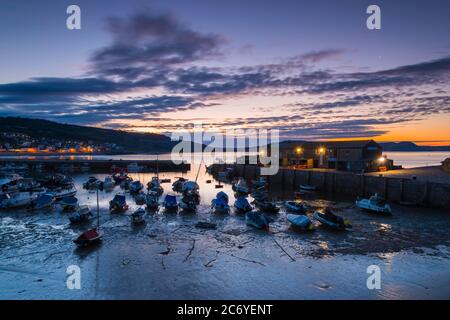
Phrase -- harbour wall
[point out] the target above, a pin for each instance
(401, 190)
(98, 166)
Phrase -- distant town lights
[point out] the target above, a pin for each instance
(298, 150)
(321, 150)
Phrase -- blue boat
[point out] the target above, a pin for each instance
(170, 202)
(300, 221)
(69, 203)
(118, 203)
(220, 205)
(332, 221)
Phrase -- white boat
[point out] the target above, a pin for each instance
(16, 200)
(374, 204)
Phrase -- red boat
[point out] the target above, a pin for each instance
(88, 237)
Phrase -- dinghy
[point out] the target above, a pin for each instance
(331, 220)
(83, 214)
(300, 221)
(374, 204)
(170, 203)
(88, 238)
(242, 206)
(16, 200)
(257, 220)
(118, 203)
(260, 194)
(296, 206)
(43, 201)
(60, 193)
(136, 186)
(69, 203)
(138, 216)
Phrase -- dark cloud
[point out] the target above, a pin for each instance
(145, 41)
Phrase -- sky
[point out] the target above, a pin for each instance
(311, 69)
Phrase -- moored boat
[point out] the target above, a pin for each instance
(267, 206)
(68, 203)
(83, 214)
(331, 220)
(257, 220)
(152, 200)
(241, 187)
(140, 198)
(374, 204)
(41, 202)
(16, 200)
(242, 206)
(138, 216)
(136, 186)
(118, 203)
(170, 203)
(300, 221)
(296, 206)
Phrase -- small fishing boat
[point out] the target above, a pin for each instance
(190, 187)
(108, 183)
(300, 221)
(151, 200)
(188, 204)
(88, 238)
(307, 188)
(43, 201)
(260, 194)
(177, 185)
(68, 203)
(83, 214)
(140, 198)
(240, 187)
(220, 205)
(136, 186)
(261, 182)
(267, 206)
(155, 186)
(134, 168)
(222, 195)
(125, 184)
(138, 216)
(92, 183)
(296, 206)
(60, 193)
(118, 203)
(170, 203)
(242, 206)
(374, 204)
(257, 220)
(331, 220)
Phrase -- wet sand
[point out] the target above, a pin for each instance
(169, 258)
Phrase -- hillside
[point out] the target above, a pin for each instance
(129, 141)
(411, 146)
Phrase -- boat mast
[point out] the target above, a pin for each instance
(98, 212)
(198, 171)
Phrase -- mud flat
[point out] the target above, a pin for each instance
(170, 258)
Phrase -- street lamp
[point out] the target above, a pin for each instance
(298, 150)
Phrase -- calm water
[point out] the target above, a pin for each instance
(406, 159)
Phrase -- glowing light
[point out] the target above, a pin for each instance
(298, 150)
(381, 159)
(321, 150)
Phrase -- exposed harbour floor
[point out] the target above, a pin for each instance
(169, 258)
